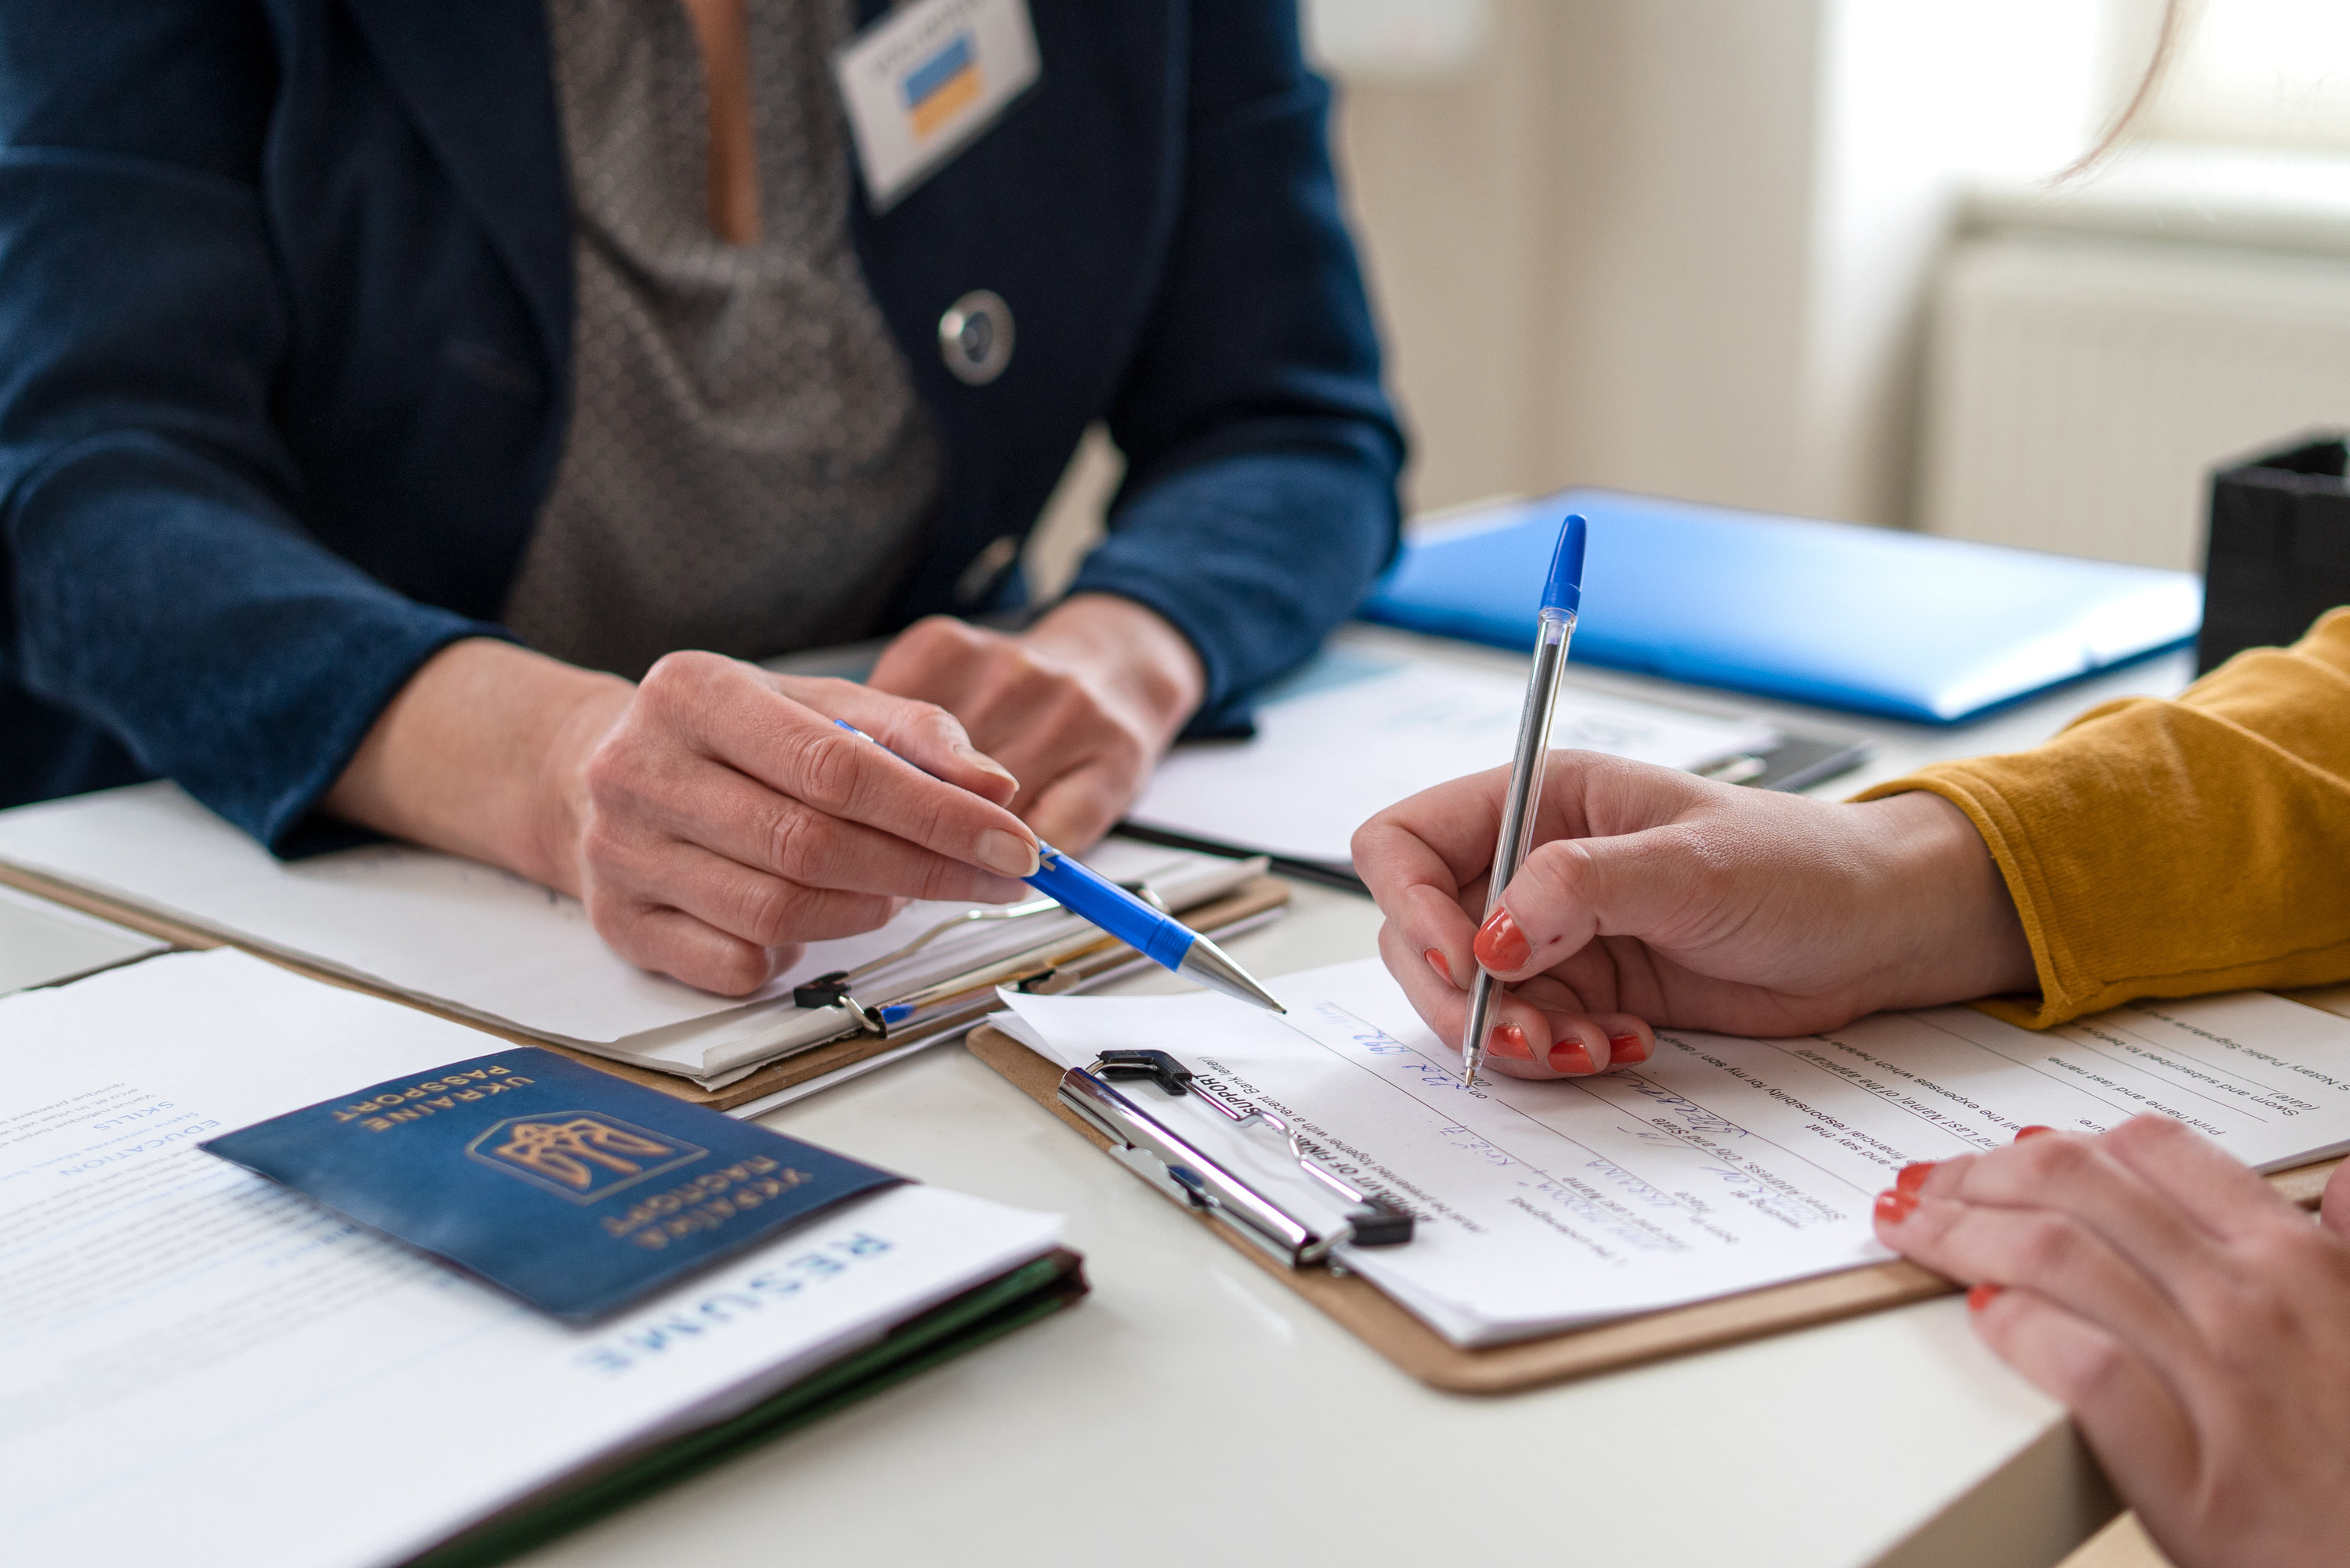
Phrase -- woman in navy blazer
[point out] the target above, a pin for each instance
(286, 318)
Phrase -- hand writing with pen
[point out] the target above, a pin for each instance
(2195, 1324)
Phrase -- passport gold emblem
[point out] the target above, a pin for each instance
(585, 1155)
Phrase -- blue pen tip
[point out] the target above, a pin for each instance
(1564, 590)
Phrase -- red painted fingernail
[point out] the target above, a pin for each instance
(1913, 1177)
(1510, 1040)
(1500, 945)
(1982, 1296)
(1626, 1050)
(1571, 1055)
(1435, 957)
(2033, 1131)
(1894, 1206)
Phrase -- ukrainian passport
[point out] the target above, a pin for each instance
(574, 1190)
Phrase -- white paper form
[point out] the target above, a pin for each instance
(1363, 730)
(197, 1366)
(722, 1047)
(1721, 1165)
(42, 943)
(474, 938)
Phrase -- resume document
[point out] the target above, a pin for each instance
(197, 1365)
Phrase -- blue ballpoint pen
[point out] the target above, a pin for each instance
(1156, 935)
(1561, 597)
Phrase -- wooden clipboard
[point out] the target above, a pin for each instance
(1251, 901)
(1359, 1307)
(2124, 1543)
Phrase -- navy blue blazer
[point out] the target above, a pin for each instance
(285, 307)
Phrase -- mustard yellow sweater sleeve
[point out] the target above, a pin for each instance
(2172, 849)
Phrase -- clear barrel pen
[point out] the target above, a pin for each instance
(1561, 597)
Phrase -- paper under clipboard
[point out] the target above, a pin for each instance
(479, 946)
(1254, 901)
(1359, 1307)
(1776, 1148)
(1075, 964)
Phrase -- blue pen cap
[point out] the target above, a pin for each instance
(1564, 590)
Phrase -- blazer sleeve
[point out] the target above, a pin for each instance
(1259, 498)
(154, 576)
(2174, 849)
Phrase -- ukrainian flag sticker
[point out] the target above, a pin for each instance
(942, 86)
(926, 81)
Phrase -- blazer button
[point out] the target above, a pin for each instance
(975, 336)
(986, 569)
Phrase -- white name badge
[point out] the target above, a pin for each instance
(924, 81)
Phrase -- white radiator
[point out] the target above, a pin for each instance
(2079, 390)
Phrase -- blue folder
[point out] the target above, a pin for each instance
(1907, 625)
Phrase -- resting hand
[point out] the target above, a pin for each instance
(712, 818)
(2193, 1320)
(1079, 706)
(1655, 897)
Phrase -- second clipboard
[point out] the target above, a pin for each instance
(1418, 1350)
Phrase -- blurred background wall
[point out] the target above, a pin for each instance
(1804, 256)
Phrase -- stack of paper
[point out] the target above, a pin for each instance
(1721, 1165)
(199, 1366)
(496, 947)
(1363, 730)
(42, 943)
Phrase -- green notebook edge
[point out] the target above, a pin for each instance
(981, 1314)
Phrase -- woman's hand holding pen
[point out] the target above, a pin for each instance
(1653, 898)
(1080, 705)
(712, 817)
(2192, 1319)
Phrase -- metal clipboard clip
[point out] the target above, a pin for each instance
(833, 989)
(1173, 1161)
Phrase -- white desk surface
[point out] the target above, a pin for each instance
(1192, 1411)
